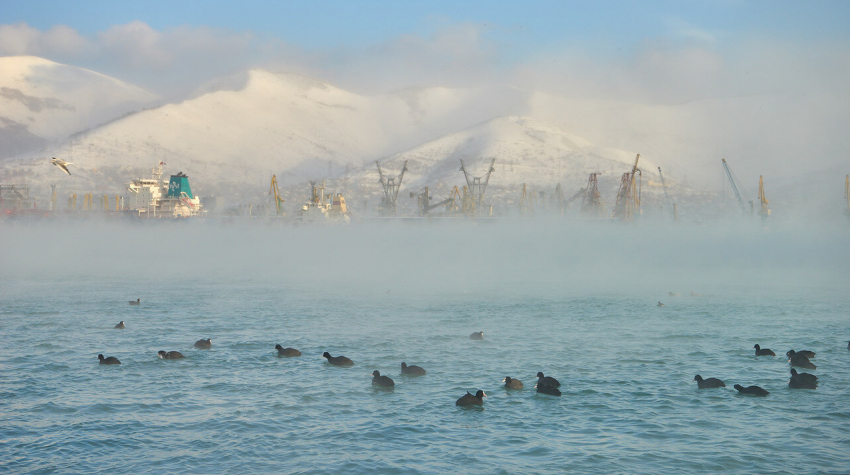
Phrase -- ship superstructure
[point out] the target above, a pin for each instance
(154, 198)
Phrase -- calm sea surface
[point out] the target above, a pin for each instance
(629, 404)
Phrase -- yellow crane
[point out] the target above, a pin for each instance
(526, 201)
(765, 211)
(455, 202)
(276, 192)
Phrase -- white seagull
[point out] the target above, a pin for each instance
(61, 164)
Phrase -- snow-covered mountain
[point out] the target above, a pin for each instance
(231, 135)
(42, 102)
(235, 133)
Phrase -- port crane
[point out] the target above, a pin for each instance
(475, 187)
(667, 197)
(276, 192)
(733, 184)
(527, 201)
(424, 201)
(391, 186)
(628, 196)
(578, 194)
(764, 211)
(591, 201)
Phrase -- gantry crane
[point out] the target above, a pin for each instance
(475, 187)
(391, 186)
(591, 202)
(273, 189)
(628, 196)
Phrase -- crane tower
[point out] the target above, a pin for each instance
(628, 197)
(475, 187)
(591, 202)
(765, 211)
(391, 186)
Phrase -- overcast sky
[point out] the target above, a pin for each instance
(765, 80)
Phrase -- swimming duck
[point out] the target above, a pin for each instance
(547, 381)
(802, 380)
(203, 344)
(709, 383)
(806, 353)
(470, 400)
(763, 351)
(660, 304)
(550, 390)
(799, 360)
(281, 351)
(120, 325)
(337, 360)
(382, 381)
(411, 370)
(751, 390)
(110, 360)
(477, 336)
(136, 302)
(511, 383)
(170, 355)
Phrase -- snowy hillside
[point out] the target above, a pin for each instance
(234, 133)
(42, 102)
(526, 151)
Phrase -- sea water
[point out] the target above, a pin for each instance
(626, 366)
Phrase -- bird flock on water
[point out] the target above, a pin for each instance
(545, 384)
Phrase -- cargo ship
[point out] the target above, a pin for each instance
(154, 198)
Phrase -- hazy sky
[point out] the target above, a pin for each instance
(684, 81)
(345, 38)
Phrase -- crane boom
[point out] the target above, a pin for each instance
(667, 197)
(277, 199)
(664, 187)
(765, 211)
(576, 196)
(734, 187)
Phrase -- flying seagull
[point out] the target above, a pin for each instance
(61, 164)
